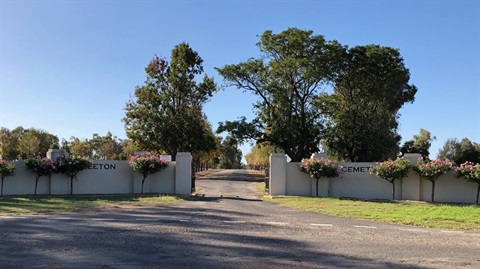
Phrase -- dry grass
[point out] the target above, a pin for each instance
(206, 173)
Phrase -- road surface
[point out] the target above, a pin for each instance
(226, 232)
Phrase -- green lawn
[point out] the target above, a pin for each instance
(441, 216)
(39, 205)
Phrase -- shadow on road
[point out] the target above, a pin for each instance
(80, 244)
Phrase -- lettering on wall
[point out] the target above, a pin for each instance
(352, 169)
(103, 166)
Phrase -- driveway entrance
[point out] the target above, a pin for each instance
(230, 184)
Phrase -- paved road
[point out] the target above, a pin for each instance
(226, 232)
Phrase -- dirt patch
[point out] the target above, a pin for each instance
(206, 173)
(259, 175)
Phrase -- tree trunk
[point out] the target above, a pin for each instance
(316, 189)
(433, 191)
(393, 190)
(36, 183)
(478, 192)
(143, 181)
(1, 189)
(71, 186)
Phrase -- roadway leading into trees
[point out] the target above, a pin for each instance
(230, 184)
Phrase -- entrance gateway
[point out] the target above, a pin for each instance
(230, 183)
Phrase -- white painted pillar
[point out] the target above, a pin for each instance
(412, 157)
(54, 154)
(278, 174)
(58, 184)
(183, 173)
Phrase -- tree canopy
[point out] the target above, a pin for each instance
(460, 151)
(357, 122)
(230, 155)
(362, 111)
(259, 157)
(419, 144)
(288, 76)
(21, 143)
(165, 114)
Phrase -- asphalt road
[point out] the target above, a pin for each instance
(226, 232)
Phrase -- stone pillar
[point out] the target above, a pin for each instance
(183, 173)
(54, 154)
(58, 184)
(278, 174)
(412, 157)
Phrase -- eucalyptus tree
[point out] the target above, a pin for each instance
(259, 156)
(21, 143)
(460, 151)
(363, 110)
(419, 144)
(230, 155)
(165, 114)
(106, 147)
(292, 70)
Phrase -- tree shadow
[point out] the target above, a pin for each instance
(121, 241)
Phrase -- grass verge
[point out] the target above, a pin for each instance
(45, 204)
(440, 216)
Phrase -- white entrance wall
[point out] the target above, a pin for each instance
(105, 177)
(355, 181)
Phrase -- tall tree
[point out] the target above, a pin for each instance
(9, 143)
(35, 142)
(419, 144)
(363, 109)
(288, 76)
(29, 145)
(166, 113)
(230, 154)
(81, 148)
(460, 151)
(106, 147)
(259, 157)
(21, 143)
(128, 148)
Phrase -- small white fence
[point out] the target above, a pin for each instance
(356, 182)
(105, 177)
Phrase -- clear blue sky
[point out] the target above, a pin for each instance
(69, 67)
